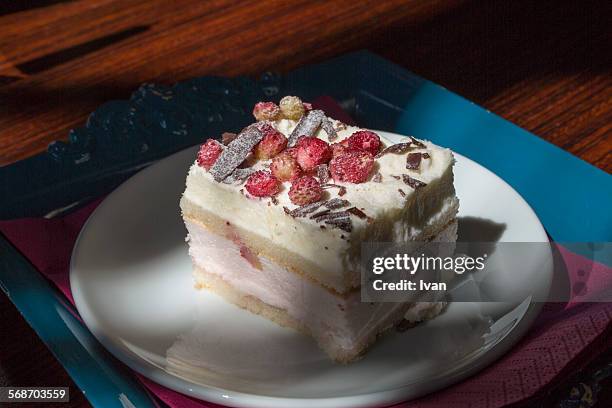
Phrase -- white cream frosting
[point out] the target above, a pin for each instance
(396, 217)
(374, 197)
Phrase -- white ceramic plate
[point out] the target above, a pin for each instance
(131, 280)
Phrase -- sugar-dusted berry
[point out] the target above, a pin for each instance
(266, 111)
(292, 151)
(285, 167)
(353, 166)
(291, 107)
(338, 149)
(262, 184)
(209, 153)
(364, 140)
(305, 190)
(272, 143)
(311, 152)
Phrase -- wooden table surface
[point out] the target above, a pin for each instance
(544, 65)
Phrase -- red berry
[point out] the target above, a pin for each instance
(291, 107)
(272, 143)
(292, 151)
(262, 184)
(266, 111)
(311, 152)
(338, 149)
(305, 190)
(353, 167)
(364, 140)
(284, 167)
(208, 153)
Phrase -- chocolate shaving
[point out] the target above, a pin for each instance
(319, 214)
(402, 193)
(274, 200)
(395, 177)
(308, 125)
(336, 203)
(417, 142)
(323, 173)
(357, 212)
(306, 209)
(329, 129)
(341, 189)
(398, 148)
(413, 161)
(227, 137)
(287, 211)
(342, 223)
(329, 215)
(243, 174)
(377, 178)
(412, 182)
(236, 152)
(238, 176)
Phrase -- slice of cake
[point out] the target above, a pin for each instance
(277, 213)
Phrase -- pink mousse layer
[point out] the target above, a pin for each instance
(343, 321)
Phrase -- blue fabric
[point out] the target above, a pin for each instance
(572, 198)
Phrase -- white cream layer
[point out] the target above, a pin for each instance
(396, 217)
(375, 198)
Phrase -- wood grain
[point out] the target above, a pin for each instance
(544, 65)
(539, 66)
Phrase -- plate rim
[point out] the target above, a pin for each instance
(218, 395)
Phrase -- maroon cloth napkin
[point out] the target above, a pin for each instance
(563, 338)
